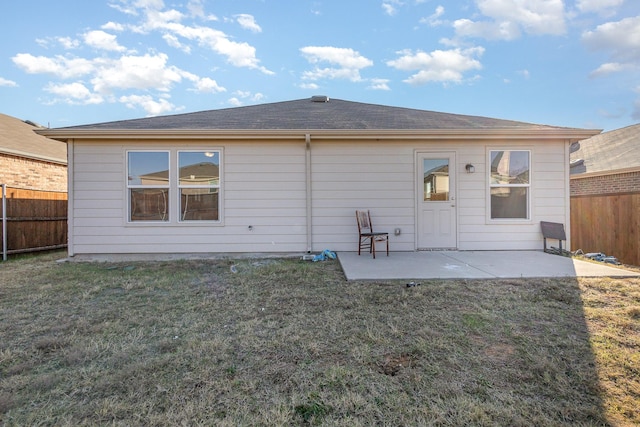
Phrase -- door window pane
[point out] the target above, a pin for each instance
(436, 179)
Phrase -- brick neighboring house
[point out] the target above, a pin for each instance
(605, 194)
(29, 160)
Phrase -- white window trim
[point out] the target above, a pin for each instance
(174, 190)
(129, 187)
(487, 178)
(180, 186)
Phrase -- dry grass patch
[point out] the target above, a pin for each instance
(286, 342)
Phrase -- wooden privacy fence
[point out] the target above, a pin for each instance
(32, 220)
(607, 223)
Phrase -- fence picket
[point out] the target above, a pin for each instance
(33, 220)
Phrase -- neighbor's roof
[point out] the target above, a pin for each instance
(319, 114)
(614, 151)
(18, 138)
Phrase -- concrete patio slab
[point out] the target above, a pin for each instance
(471, 265)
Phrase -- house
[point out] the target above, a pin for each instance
(33, 174)
(605, 194)
(28, 160)
(607, 163)
(288, 176)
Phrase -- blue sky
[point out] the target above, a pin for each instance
(572, 63)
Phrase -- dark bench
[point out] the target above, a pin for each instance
(554, 231)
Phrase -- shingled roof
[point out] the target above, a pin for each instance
(317, 113)
(17, 138)
(608, 152)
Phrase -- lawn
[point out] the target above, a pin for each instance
(286, 342)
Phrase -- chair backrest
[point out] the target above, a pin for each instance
(364, 222)
(553, 230)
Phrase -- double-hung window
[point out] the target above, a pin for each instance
(199, 185)
(510, 184)
(148, 185)
(173, 186)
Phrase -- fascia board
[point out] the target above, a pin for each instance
(605, 173)
(24, 154)
(380, 134)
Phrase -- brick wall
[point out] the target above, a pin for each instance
(32, 174)
(606, 184)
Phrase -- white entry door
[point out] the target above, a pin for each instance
(436, 201)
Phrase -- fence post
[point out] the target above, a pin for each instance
(4, 221)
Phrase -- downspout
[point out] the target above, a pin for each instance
(70, 197)
(4, 222)
(307, 140)
(567, 192)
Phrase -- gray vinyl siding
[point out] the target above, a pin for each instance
(264, 186)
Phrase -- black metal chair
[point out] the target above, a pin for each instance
(555, 231)
(367, 238)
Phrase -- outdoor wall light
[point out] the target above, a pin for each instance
(470, 168)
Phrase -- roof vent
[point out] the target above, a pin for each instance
(319, 98)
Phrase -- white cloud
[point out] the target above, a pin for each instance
(246, 95)
(235, 102)
(621, 41)
(117, 72)
(174, 42)
(509, 18)
(151, 106)
(113, 26)
(434, 19)
(438, 66)
(488, 30)
(312, 86)
(208, 85)
(598, 6)
(102, 40)
(196, 8)
(610, 68)
(248, 22)
(390, 7)
(238, 54)
(74, 93)
(68, 42)
(349, 63)
(126, 72)
(136, 72)
(6, 82)
(379, 84)
(59, 66)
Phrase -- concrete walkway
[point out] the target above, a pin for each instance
(471, 265)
